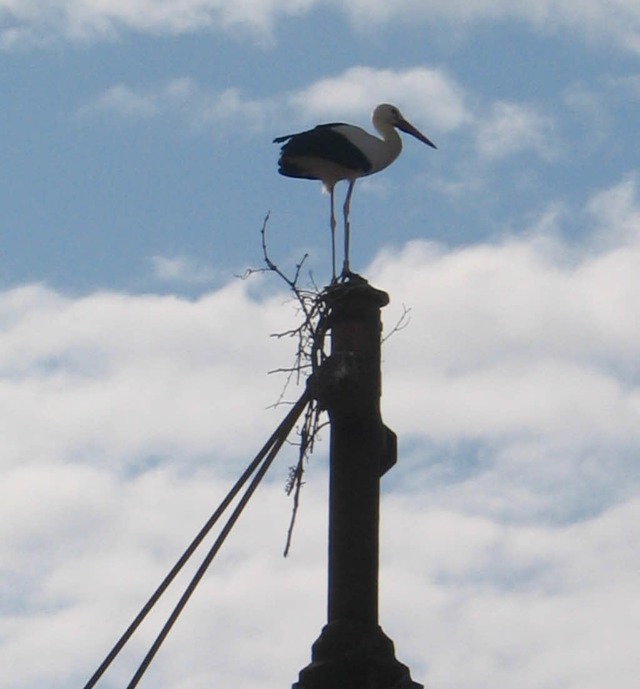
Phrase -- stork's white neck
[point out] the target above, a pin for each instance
(390, 147)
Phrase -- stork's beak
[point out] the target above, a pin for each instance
(410, 129)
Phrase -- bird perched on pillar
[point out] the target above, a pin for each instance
(337, 151)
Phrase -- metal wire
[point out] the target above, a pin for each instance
(266, 456)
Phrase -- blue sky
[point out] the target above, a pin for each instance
(124, 144)
(137, 170)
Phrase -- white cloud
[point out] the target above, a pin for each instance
(429, 97)
(509, 523)
(87, 20)
(525, 329)
(422, 92)
(514, 127)
(84, 20)
(126, 101)
(528, 358)
(123, 100)
(181, 269)
(518, 600)
(184, 98)
(616, 212)
(593, 19)
(69, 368)
(425, 93)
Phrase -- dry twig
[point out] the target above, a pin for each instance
(309, 356)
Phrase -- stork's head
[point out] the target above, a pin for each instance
(385, 115)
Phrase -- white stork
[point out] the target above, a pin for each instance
(336, 151)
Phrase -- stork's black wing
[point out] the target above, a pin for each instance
(325, 142)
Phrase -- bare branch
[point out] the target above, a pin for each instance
(309, 355)
(308, 434)
(401, 323)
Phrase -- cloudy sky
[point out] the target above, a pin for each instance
(137, 167)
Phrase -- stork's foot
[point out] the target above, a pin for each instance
(346, 276)
(346, 273)
(347, 280)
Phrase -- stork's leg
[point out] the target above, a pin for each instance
(346, 208)
(333, 236)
